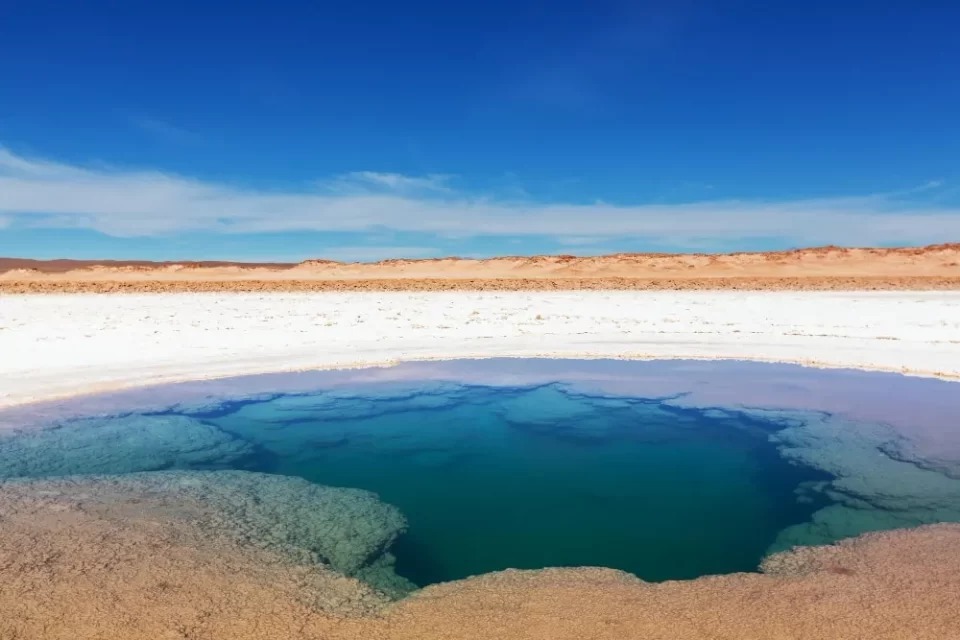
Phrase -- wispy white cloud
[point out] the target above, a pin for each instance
(12, 164)
(400, 182)
(375, 181)
(163, 130)
(141, 203)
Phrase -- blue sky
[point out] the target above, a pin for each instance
(367, 130)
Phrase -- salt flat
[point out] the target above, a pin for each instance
(61, 345)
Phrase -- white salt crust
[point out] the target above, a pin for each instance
(62, 345)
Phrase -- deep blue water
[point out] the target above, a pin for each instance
(529, 477)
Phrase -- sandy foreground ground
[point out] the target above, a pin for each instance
(57, 346)
(935, 267)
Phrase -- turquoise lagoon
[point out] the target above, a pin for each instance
(668, 470)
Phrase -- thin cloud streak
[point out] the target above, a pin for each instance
(163, 130)
(398, 181)
(144, 203)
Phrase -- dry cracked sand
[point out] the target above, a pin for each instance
(79, 561)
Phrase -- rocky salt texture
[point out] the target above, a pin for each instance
(348, 530)
(345, 528)
(119, 444)
(136, 557)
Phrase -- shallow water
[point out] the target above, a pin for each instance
(530, 466)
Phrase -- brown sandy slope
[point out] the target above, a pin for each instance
(64, 265)
(76, 564)
(936, 267)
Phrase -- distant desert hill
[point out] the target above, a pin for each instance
(65, 265)
(835, 261)
(931, 267)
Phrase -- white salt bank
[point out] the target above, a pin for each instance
(61, 345)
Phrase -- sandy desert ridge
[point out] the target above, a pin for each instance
(935, 267)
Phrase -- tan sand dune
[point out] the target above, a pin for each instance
(936, 267)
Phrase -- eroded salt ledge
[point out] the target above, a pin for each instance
(57, 346)
(346, 530)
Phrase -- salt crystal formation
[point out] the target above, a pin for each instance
(349, 530)
(121, 444)
(872, 489)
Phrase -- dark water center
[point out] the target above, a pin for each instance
(491, 478)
